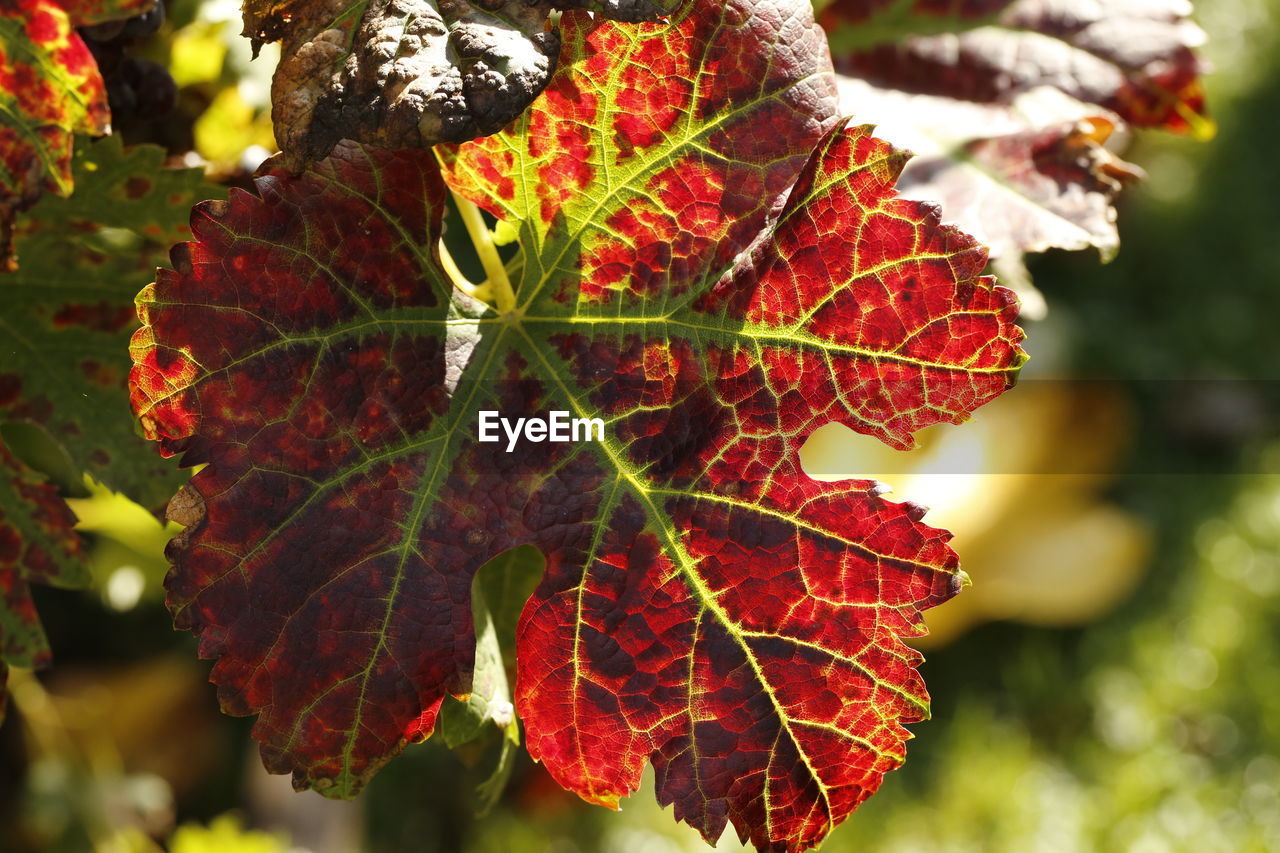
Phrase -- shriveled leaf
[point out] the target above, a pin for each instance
(711, 264)
(410, 73)
(50, 90)
(1033, 175)
(1133, 57)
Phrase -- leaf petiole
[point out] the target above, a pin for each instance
(498, 285)
(475, 291)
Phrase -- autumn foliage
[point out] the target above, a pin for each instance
(702, 250)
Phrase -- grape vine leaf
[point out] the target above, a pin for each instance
(65, 318)
(1018, 107)
(1039, 173)
(711, 263)
(1134, 59)
(410, 74)
(50, 90)
(73, 297)
(490, 699)
(37, 545)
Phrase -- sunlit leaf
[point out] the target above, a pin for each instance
(709, 262)
(67, 314)
(410, 74)
(1018, 108)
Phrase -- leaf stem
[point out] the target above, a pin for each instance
(475, 291)
(498, 285)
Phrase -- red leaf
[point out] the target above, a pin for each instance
(709, 266)
(752, 652)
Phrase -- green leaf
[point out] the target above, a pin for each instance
(37, 545)
(498, 593)
(490, 702)
(225, 834)
(65, 320)
(67, 315)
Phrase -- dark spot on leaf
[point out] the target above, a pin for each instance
(137, 187)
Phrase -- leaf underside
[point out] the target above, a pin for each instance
(1134, 59)
(710, 262)
(1018, 105)
(1034, 175)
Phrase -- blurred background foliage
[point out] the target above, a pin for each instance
(1111, 681)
